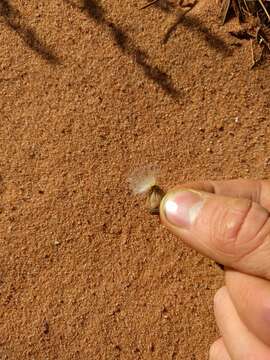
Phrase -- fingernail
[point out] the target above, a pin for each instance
(181, 208)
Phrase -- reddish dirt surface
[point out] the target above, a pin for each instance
(88, 93)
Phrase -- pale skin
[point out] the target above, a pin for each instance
(229, 221)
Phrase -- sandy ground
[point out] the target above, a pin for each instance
(88, 92)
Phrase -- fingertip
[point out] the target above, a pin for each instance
(220, 294)
(214, 350)
(180, 207)
(218, 351)
(220, 298)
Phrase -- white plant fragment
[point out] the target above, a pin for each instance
(143, 179)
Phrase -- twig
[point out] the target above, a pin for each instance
(246, 5)
(257, 61)
(150, 4)
(224, 10)
(265, 42)
(264, 8)
(252, 55)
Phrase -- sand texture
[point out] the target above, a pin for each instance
(90, 91)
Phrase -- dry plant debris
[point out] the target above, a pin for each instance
(170, 4)
(254, 15)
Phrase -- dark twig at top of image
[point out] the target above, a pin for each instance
(149, 4)
(264, 9)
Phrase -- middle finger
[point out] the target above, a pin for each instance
(239, 341)
(251, 298)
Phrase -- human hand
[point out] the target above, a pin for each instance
(229, 222)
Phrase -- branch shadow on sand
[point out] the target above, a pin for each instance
(140, 57)
(193, 24)
(94, 10)
(14, 20)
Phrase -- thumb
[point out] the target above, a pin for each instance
(232, 231)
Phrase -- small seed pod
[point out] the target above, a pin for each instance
(221, 266)
(154, 197)
(143, 181)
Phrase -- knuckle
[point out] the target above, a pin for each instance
(227, 227)
(236, 229)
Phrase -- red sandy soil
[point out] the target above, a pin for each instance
(88, 92)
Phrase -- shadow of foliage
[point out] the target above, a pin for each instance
(141, 58)
(14, 19)
(195, 25)
(172, 28)
(94, 10)
(214, 41)
(127, 46)
(120, 37)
